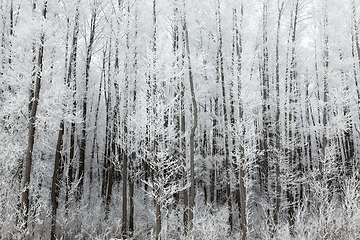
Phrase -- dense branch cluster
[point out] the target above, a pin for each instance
(179, 119)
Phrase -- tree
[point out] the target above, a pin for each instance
(290, 117)
(194, 125)
(85, 102)
(221, 76)
(277, 119)
(154, 143)
(237, 49)
(31, 135)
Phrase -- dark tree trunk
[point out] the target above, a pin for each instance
(277, 121)
(31, 133)
(108, 171)
(80, 176)
(226, 128)
(264, 142)
(56, 180)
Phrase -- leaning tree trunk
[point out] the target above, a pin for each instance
(31, 133)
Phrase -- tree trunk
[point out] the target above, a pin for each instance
(124, 194)
(134, 155)
(194, 125)
(237, 69)
(322, 163)
(108, 169)
(81, 176)
(131, 197)
(95, 146)
(55, 186)
(58, 163)
(291, 118)
(277, 122)
(72, 83)
(214, 152)
(226, 128)
(183, 149)
(264, 143)
(154, 120)
(31, 133)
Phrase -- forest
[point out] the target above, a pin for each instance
(180, 119)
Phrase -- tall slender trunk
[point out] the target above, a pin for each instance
(277, 121)
(226, 127)
(290, 114)
(194, 125)
(108, 171)
(11, 33)
(177, 113)
(133, 155)
(81, 176)
(72, 83)
(131, 196)
(125, 127)
(153, 122)
(59, 162)
(324, 158)
(183, 140)
(124, 192)
(95, 145)
(322, 163)
(31, 134)
(266, 121)
(235, 75)
(33, 74)
(214, 151)
(240, 165)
